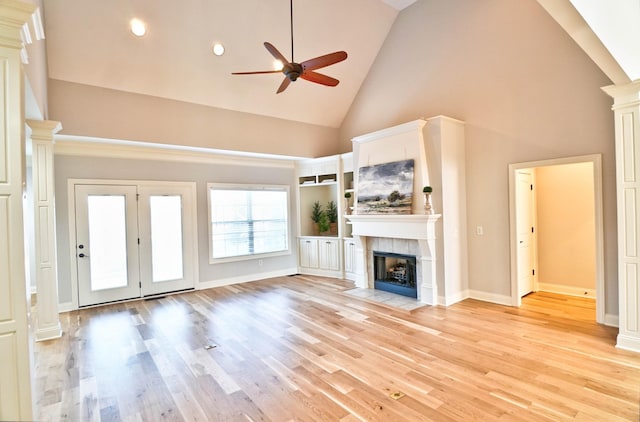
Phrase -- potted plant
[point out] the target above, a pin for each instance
(428, 208)
(316, 216)
(332, 216)
(323, 224)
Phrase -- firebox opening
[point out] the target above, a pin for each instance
(395, 273)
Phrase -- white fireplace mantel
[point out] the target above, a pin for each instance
(418, 227)
(401, 226)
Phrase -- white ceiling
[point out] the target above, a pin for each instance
(616, 24)
(88, 42)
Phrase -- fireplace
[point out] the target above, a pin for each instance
(437, 146)
(395, 273)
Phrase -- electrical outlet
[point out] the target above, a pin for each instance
(260, 263)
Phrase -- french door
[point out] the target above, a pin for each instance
(133, 241)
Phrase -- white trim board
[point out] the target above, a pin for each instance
(490, 297)
(98, 147)
(567, 290)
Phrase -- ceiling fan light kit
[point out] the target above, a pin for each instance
(138, 28)
(305, 70)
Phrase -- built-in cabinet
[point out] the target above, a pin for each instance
(350, 259)
(324, 180)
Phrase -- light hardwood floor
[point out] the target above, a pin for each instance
(299, 348)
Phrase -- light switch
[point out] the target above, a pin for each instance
(479, 230)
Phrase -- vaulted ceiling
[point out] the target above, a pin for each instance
(89, 42)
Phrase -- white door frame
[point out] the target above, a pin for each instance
(596, 160)
(72, 228)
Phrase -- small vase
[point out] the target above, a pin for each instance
(428, 207)
(347, 208)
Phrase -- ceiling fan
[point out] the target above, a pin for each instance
(305, 70)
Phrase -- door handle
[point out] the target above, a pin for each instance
(83, 255)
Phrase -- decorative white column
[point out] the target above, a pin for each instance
(15, 345)
(47, 319)
(626, 107)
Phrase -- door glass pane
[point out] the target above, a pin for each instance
(166, 237)
(108, 241)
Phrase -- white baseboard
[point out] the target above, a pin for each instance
(49, 333)
(567, 290)
(245, 278)
(66, 307)
(628, 343)
(350, 276)
(611, 320)
(451, 299)
(490, 297)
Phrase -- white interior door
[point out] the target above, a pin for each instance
(524, 224)
(167, 238)
(106, 243)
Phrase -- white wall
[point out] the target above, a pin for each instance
(526, 91)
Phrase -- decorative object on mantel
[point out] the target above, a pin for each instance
(428, 207)
(386, 188)
(332, 216)
(347, 203)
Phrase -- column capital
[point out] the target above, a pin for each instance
(43, 130)
(18, 20)
(624, 95)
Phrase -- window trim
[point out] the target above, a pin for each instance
(247, 187)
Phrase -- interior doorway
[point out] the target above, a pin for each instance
(560, 248)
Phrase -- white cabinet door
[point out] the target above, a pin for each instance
(308, 253)
(350, 256)
(329, 254)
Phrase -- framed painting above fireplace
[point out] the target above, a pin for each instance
(386, 188)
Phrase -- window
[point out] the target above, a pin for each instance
(247, 220)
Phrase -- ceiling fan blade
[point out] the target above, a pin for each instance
(257, 72)
(285, 83)
(319, 78)
(275, 53)
(323, 61)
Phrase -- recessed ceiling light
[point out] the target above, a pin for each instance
(277, 65)
(137, 27)
(218, 49)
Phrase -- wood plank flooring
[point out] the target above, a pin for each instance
(299, 348)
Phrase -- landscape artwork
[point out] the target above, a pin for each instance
(386, 188)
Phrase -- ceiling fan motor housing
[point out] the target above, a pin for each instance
(293, 71)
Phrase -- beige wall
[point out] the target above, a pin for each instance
(566, 225)
(526, 91)
(105, 113)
